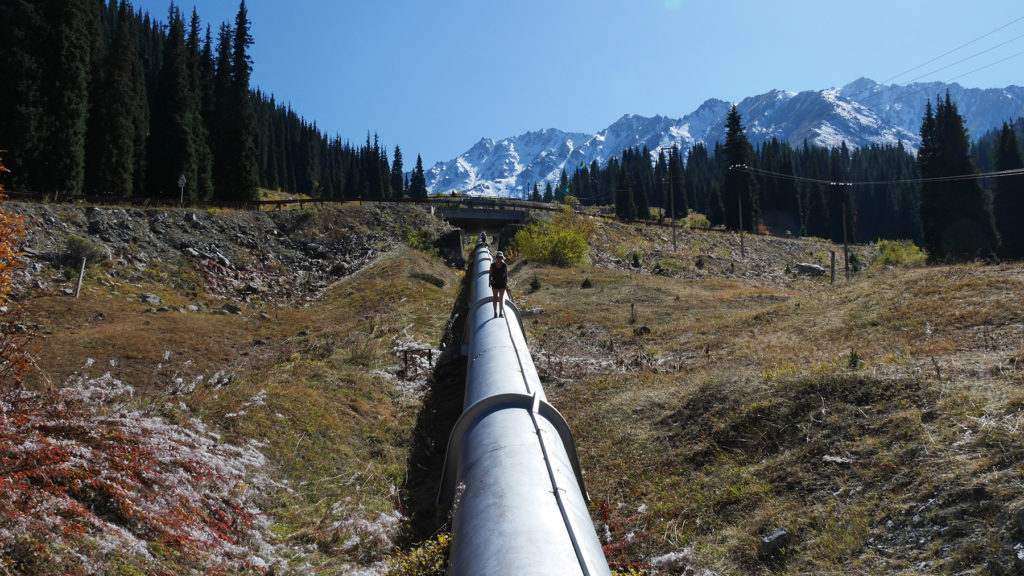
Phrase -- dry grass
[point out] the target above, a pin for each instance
(322, 388)
(877, 420)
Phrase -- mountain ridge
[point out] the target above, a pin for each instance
(860, 113)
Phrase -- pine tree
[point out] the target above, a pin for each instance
(739, 189)
(563, 185)
(677, 184)
(22, 35)
(65, 91)
(202, 187)
(418, 182)
(397, 188)
(840, 200)
(1009, 194)
(698, 177)
(116, 131)
(171, 146)
(240, 121)
(222, 101)
(780, 198)
(956, 215)
(624, 206)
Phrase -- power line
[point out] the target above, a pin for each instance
(962, 60)
(989, 65)
(888, 89)
(955, 178)
(960, 47)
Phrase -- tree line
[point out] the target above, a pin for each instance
(101, 99)
(860, 195)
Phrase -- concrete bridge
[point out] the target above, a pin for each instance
(472, 213)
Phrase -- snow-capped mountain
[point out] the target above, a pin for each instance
(861, 113)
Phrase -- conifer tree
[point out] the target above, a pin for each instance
(563, 185)
(65, 91)
(1009, 195)
(840, 200)
(240, 121)
(202, 187)
(116, 138)
(739, 188)
(698, 177)
(677, 184)
(956, 215)
(171, 146)
(222, 99)
(595, 186)
(418, 181)
(22, 33)
(624, 206)
(397, 183)
(661, 195)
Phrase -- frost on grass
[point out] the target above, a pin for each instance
(87, 483)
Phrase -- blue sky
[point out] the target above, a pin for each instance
(435, 76)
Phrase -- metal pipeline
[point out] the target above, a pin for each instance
(511, 466)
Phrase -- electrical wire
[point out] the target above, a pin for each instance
(955, 178)
(960, 47)
(864, 100)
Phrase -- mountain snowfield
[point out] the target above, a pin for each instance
(861, 113)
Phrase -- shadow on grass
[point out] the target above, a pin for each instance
(442, 406)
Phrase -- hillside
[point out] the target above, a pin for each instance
(876, 420)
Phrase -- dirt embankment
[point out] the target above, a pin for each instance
(281, 256)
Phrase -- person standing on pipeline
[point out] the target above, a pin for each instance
(498, 281)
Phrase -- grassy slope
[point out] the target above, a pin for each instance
(321, 388)
(876, 420)
(922, 432)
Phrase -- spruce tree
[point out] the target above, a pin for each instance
(677, 184)
(171, 147)
(22, 35)
(1009, 195)
(956, 215)
(418, 181)
(698, 177)
(65, 92)
(624, 206)
(222, 98)
(739, 188)
(840, 200)
(202, 187)
(240, 122)
(116, 119)
(397, 183)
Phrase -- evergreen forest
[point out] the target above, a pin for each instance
(101, 99)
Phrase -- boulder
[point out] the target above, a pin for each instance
(151, 299)
(771, 546)
(808, 269)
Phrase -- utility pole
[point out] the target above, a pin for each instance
(846, 245)
(743, 252)
(671, 194)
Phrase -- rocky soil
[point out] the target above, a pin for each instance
(280, 256)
